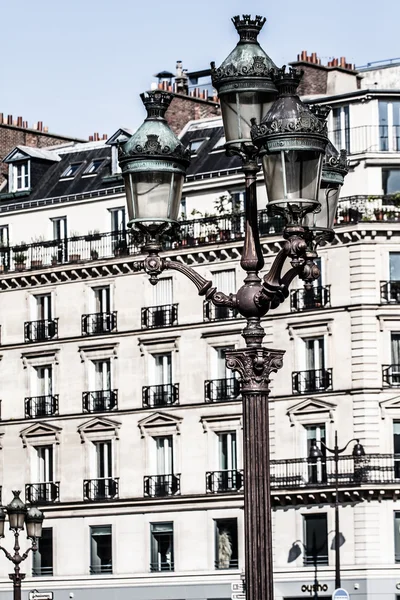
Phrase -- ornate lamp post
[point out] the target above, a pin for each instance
(153, 162)
(315, 454)
(18, 516)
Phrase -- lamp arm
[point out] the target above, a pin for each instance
(8, 555)
(331, 450)
(341, 450)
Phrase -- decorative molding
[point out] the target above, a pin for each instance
(42, 432)
(159, 421)
(391, 404)
(388, 317)
(98, 351)
(211, 422)
(168, 343)
(312, 328)
(99, 425)
(314, 407)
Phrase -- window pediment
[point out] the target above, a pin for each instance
(392, 405)
(41, 357)
(42, 432)
(309, 328)
(159, 423)
(311, 409)
(98, 351)
(99, 428)
(221, 422)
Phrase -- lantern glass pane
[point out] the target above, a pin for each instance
(293, 176)
(324, 218)
(16, 520)
(34, 529)
(238, 108)
(153, 195)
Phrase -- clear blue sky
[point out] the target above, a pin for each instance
(80, 65)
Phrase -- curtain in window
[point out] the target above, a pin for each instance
(225, 281)
(162, 292)
(227, 451)
(164, 455)
(395, 347)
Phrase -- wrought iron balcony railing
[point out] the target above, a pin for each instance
(391, 375)
(224, 481)
(367, 138)
(42, 571)
(233, 563)
(312, 299)
(161, 565)
(105, 488)
(315, 380)
(40, 331)
(221, 390)
(99, 401)
(159, 316)
(98, 323)
(41, 406)
(156, 486)
(160, 395)
(97, 569)
(352, 471)
(38, 493)
(218, 313)
(390, 292)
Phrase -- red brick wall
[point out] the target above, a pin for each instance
(185, 108)
(314, 80)
(11, 136)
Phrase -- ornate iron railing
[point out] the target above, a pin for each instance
(221, 390)
(233, 564)
(315, 380)
(38, 493)
(156, 486)
(352, 471)
(390, 291)
(160, 395)
(312, 299)
(98, 323)
(41, 406)
(105, 488)
(218, 313)
(161, 566)
(224, 481)
(159, 316)
(40, 331)
(391, 375)
(367, 138)
(99, 401)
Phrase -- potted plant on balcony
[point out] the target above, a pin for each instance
(54, 260)
(21, 247)
(94, 255)
(20, 259)
(36, 263)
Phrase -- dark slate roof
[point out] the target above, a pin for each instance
(207, 160)
(51, 184)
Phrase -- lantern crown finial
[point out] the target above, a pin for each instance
(320, 110)
(156, 103)
(248, 28)
(287, 81)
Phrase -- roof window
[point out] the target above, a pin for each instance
(72, 170)
(94, 166)
(195, 145)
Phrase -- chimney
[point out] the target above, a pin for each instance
(46, 129)
(1, 118)
(19, 121)
(25, 124)
(105, 136)
(40, 125)
(90, 138)
(9, 120)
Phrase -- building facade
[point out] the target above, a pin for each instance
(118, 416)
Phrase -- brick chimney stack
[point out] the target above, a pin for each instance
(320, 80)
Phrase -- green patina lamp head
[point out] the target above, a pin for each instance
(153, 163)
(244, 83)
(292, 140)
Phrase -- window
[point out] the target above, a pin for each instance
(397, 537)
(42, 384)
(316, 467)
(42, 559)
(162, 547)
(183, 209)
(60, 228)
(103, 458)
(195, 145)
(396, 449)
(389, 126)
(314, 354)
(4, 237)
(100, 375)
(226, 544)
(44, 471)
(237, 199)
(315, 539)
(118, 221)
(227, 451)
(20, 174)
(100, 549)
(164, 453)
(220, 144)
(72, 169)
(162, 292)
(94, 166)
(218, 367)
(390, 181)
(162, 369)
(341, 127)
(43, 307)
(102, 297)
(394, 266)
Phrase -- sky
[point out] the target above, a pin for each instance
(79, 66)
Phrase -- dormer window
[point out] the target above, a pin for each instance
(94, 166)
(195, 145)
(71, 170)
(20, 176)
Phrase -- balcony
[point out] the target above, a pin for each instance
(312, 381)
(99, 401)
(390, 292)
(105, 488)
(218, 482)
(40, 493)
(98, 323)
(218, 313)
(312, 299)
(154, 396)
(159, 316)
(391, 375)
(40, 331)
(221, 390)
(41, 406)
(158, 486)
(367, 139)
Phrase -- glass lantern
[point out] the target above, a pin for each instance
(244, 83)
(292, 142)
(34, 523)
(16, 512)
(153, 163)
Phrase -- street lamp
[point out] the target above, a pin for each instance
(315, 454)
(153, 162)
(18, 516)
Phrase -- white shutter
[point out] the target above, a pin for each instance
(225, 281)
(162, 292)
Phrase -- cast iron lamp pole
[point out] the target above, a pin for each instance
(263, 116)
(19, 515)
(315, 454)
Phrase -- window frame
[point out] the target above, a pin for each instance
(66, 175)
(106, 571)
(37, 556)
(314, 558)
(25, 175)
(88, 172)
(234, 558)
(153, 541)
